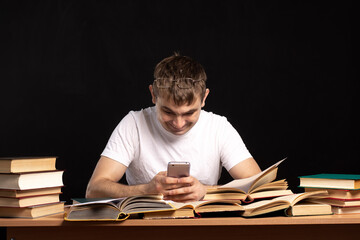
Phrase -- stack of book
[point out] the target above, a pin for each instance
(343, 190)
(263, 194)
(30, 187)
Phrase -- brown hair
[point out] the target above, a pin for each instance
(177, 68)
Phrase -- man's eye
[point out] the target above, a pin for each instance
(168, 113)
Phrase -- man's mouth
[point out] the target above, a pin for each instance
(175, 129)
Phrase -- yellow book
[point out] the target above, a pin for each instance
(31, 180)
(308, 208)
(29, 201)
(26, 164)
(261, 185)
(116, 209)
(340, 194)
(33, 211)
(280, 203)
(13, 193)
(197, 209)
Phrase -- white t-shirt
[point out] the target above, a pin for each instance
(142, 144)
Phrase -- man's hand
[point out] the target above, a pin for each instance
(185, 189)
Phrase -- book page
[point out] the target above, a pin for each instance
(246, 183)
(196, 204)
(297, 197)
(110, 201)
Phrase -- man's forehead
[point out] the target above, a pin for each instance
(170, 105)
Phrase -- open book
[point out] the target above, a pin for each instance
(196, 209)
(261, 185)
(116, 209)
(284, 203)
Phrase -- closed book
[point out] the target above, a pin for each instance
(26, 164)
(307, 208)
(340, 203)
(28, 201)
(340, 194)
(14, 193)
(23, 181)
(337, 181)
(345, 210)
(32, 212)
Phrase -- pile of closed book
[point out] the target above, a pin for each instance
(343, 190)
(30, 187)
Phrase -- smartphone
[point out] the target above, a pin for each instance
(178, 169)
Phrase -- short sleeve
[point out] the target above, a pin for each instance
(123, 141)
(233, 149)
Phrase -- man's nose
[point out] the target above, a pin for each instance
(179, 122)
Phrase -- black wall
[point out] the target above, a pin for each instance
(281, 71)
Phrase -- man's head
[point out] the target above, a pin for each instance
(180, 79)
(179, 92)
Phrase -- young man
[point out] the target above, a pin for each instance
(175, 129)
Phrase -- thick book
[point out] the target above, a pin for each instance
(197, 209)
(279, 203)
(24, 181)
(181, 213)
(33, 211)
(29, 201)
(345, 210)
(261, 185)
(26, 164)
(339, 203)
(340, 194)
(116, 209)
(14, 193)
(325, 180)
(308, 208)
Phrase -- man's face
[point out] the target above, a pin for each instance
(178, 119)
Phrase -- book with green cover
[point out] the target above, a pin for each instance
(335, 181)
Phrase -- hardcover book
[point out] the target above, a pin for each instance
(261, 185)
(33, 211)
(31, 180)
(285, 203)
(197, 209)
(14, 193)
(340, 194)
(337, 181)
(116, 209)
(26, 164)
(29, 201)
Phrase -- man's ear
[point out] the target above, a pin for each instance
(153, 98)
(205, 96)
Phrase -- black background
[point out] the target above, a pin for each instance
(282, 72)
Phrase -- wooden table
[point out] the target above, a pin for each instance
(314, 227)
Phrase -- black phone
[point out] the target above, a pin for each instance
(178, 169)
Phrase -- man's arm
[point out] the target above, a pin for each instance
(104, 182)
(244, 169)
